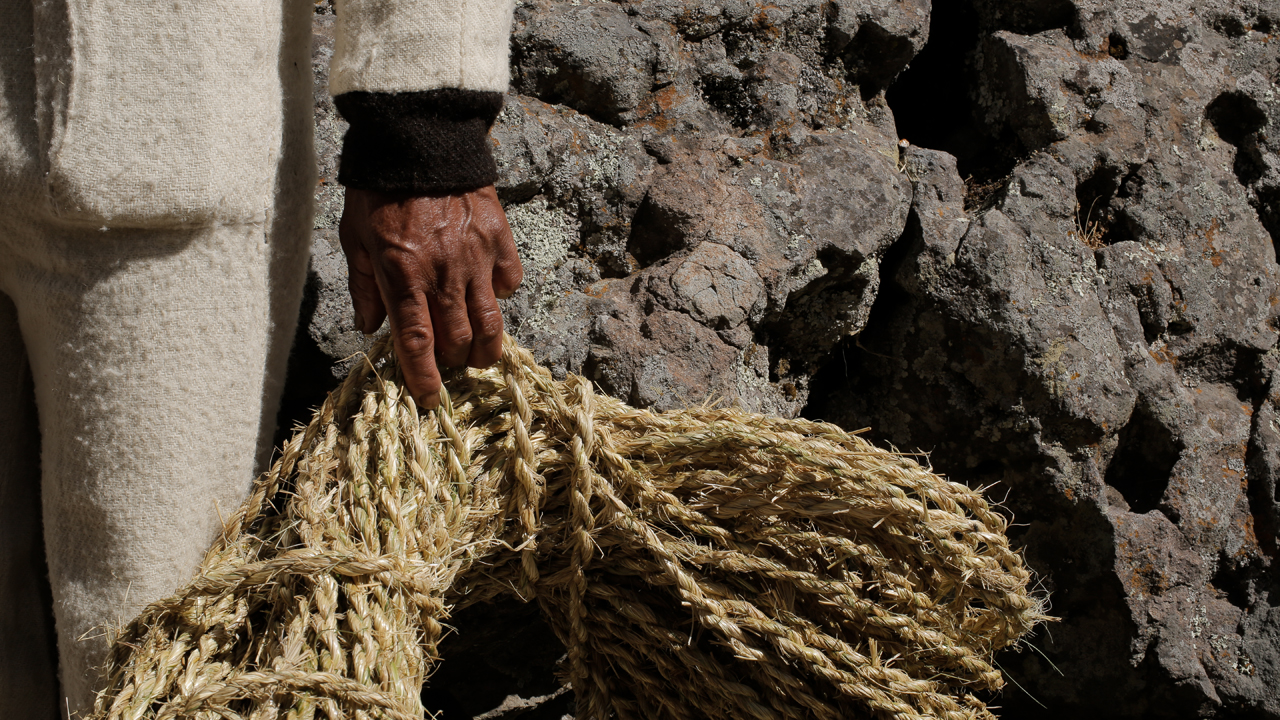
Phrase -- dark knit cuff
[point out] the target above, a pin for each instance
(418, 142)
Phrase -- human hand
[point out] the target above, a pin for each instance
(435, 265)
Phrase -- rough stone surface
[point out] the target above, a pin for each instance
(1064, 289)
(1096, 342)
(329, 127)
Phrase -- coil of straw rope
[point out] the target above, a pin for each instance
(703, 563)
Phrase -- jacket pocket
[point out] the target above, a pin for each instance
(159, 114)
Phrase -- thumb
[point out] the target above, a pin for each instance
(366, 300)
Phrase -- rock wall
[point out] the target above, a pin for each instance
(1031, 238)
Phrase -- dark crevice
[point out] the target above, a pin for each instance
(988, 470)
(728, 94)
(844, 362)
(1230, 26)
(875, 57)
(930, 100)
(500, 648)
(981, 195)
(1117, 47)
(786, 333)
(1249, 376)
(1248, 165)
(1238, 119)
(1028, 18)
(1235, 116)
(656, 232)
(932, 103)
(1233, 582)
(1143, 461)
(1100, 198)
(899, 252)
(1151, 329)
(1236, 26)
(1263, 490)
(309, 377)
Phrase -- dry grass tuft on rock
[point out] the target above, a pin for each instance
(703, 563)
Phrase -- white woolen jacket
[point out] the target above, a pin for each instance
(168, 113)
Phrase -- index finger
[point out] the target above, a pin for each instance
(414, 339)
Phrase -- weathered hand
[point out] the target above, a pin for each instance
(435, 265)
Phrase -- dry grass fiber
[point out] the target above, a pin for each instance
(705, 563)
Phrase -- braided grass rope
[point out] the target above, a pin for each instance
(703, 563)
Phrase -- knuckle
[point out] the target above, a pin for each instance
(399, 266)
(449, 297)
(512, 269)
(504, 288)
(487, 324)
(416, 341)
(496, 228)
(454, 335)
(507, 266)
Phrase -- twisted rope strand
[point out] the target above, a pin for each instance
(701, 563)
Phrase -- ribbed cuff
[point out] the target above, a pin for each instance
(418, 142)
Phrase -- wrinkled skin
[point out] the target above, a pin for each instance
(435, 265)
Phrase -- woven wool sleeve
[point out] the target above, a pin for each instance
(421, 82)
(413, 45)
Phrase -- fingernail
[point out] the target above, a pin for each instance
(360, 322)
(429, 401)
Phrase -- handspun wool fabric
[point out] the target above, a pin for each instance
(157, 358)
(156, 174)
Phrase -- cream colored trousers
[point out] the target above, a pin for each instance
(140, 372)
